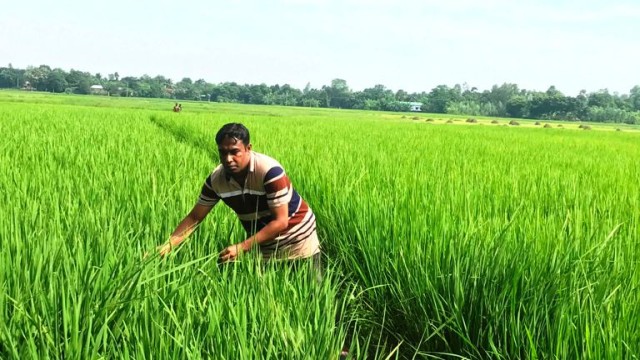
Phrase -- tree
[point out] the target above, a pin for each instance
(471, 94)
(505, 99)
(258, 93)
(601, 99)
(553, 92)
(79, 81)
(378, 92)
(313, 97)
(402, 95)
(441, 96)
(499, 96)
(132, 85)
(8, 78)
(554, 106)
(115, 88)
(56, 81)
(37, 77)
(184, 89)
(339, 94)
(634, 98)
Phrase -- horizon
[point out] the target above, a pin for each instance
(408, 45)
(174, 81)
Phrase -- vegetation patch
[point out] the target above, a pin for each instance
(499, 243)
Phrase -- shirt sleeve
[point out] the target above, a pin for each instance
(277, 186)
(208, 196)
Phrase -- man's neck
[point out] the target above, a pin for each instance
(240, 177)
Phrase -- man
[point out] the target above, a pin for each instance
(277, 220)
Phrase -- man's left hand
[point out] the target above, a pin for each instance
(230, 253)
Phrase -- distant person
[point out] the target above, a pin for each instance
(179, 107)
(176, 108)
(278, 222)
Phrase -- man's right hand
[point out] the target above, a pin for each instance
(165, 249)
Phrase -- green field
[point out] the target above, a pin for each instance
(467, 241)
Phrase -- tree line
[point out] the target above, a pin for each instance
(506, 100)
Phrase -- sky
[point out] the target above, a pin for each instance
(403, 44)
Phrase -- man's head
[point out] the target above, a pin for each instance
(234, 148)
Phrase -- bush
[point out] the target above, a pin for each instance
(311, 103)
(610, 115)
(514, 123)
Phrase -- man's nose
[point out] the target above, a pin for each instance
(227, 159)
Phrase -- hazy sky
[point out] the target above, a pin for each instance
(403, 44)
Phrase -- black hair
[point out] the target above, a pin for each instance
(234, 131)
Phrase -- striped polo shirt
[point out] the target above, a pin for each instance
(266, 186)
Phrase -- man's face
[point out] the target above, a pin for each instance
(234, 155)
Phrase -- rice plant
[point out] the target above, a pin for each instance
(441, 241)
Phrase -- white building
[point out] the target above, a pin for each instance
(97, 89)
(415, 106)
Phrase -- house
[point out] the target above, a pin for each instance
(415, 106)
(97, 89)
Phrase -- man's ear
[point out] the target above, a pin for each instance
(249, 147)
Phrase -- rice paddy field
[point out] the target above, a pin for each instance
(470, 241)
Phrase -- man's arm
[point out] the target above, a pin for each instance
(185, 228)
(276, 226)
